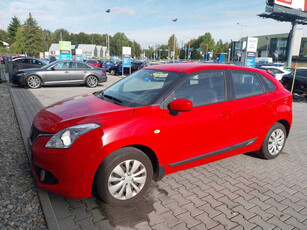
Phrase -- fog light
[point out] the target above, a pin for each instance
(42, 175)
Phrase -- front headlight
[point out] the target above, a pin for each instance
(66, 137)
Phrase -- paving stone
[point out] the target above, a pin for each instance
(294, 206)
(97, 215)
(67, 223)
(244, 212)
(263, 224)
(241, 221)
(187, 184)
(263, 214)
(92, 203)
(104, 225)
(200, 193)
(196, 201)
(192, 209)
(160, 208)
(175, 208)
(260, 203)
(244, 203)
(277, 222)
(180, 199)
(160, 226)
(243, 194)
(230, 204)
(273, 202)
(292, 221)
(86, 223)
(181, 226)
(276, 197)
(212, 201)
(259, 195)
(184, 192)
(226, 211)
(229, 187)
(188, 219)
(295, 214)
(227, 224)
(201, 226)
(143, 226)
(170, 191)
(80, 213)
(206, 220)
(170, 219)
(154, 219)
(209, 210)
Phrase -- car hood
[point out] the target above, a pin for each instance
(78, 110)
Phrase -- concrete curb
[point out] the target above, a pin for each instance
(43, 195)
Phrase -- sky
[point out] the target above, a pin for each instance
(149, 22)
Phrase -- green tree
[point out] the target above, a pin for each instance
(3, 37)
(33, 37)
(18, 46)
(117, 42)
(12, 29)
(47, 38)
(59, 34)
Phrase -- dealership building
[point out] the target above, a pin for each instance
(273, 45)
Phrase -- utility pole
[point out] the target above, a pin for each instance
(108, 11)
(174, 40)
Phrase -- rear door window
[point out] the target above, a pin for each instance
(246, 84)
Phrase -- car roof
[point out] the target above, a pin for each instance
(193, 67)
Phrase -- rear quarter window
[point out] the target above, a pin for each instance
(268, 83)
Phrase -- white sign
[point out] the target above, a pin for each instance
(126, 50)
(294, 4)
(46, 54)
(78, 51)
(57, 52)
(251, 45)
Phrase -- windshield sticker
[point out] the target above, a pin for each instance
(162, 75)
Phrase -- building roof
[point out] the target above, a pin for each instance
(86, 47)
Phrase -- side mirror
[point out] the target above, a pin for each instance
(181, 105)
(52, 68)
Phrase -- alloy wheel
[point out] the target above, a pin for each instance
(276, 141)
(127, 179)
(33, 82)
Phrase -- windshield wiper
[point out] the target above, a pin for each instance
(113, 98)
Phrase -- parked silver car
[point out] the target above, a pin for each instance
(60, 72)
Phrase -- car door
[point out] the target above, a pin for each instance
(251, 117)
(58, 73)
(204, 131)
(78, 71)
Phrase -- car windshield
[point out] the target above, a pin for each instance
(47, 66)
(140, 88)
(43, 61)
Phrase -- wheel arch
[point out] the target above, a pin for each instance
(286, 124)
(32, 74)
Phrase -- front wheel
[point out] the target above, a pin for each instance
(123, 177)
(91, 81)
(274, 142)
(33, 82)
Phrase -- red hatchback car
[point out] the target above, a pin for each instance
(94, 62)
(159, 120)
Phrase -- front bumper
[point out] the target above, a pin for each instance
(66, 172)
(18, 79)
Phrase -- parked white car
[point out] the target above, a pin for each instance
(277, 71)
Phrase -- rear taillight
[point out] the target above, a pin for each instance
(104, 72)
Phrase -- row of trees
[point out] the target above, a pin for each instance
(29, 38)
(193, 49)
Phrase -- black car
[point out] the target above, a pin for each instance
(300, 84)
(115, 70)
(27, 63)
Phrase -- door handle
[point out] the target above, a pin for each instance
(66, 72)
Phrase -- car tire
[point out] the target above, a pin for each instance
(33, 82)
(274, 142)
(116, 185)
(113, 72)
(15, 69)
(91, 81)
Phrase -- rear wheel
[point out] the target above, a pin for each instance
(113, 72)
(274, 142)
(91, 81)
(124, 176)
(33, 82)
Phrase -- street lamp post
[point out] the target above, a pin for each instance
(241, 25)
(108, 11)
(174, 20)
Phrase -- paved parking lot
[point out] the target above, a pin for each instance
(242, 192)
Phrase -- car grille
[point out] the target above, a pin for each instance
(35, 133)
